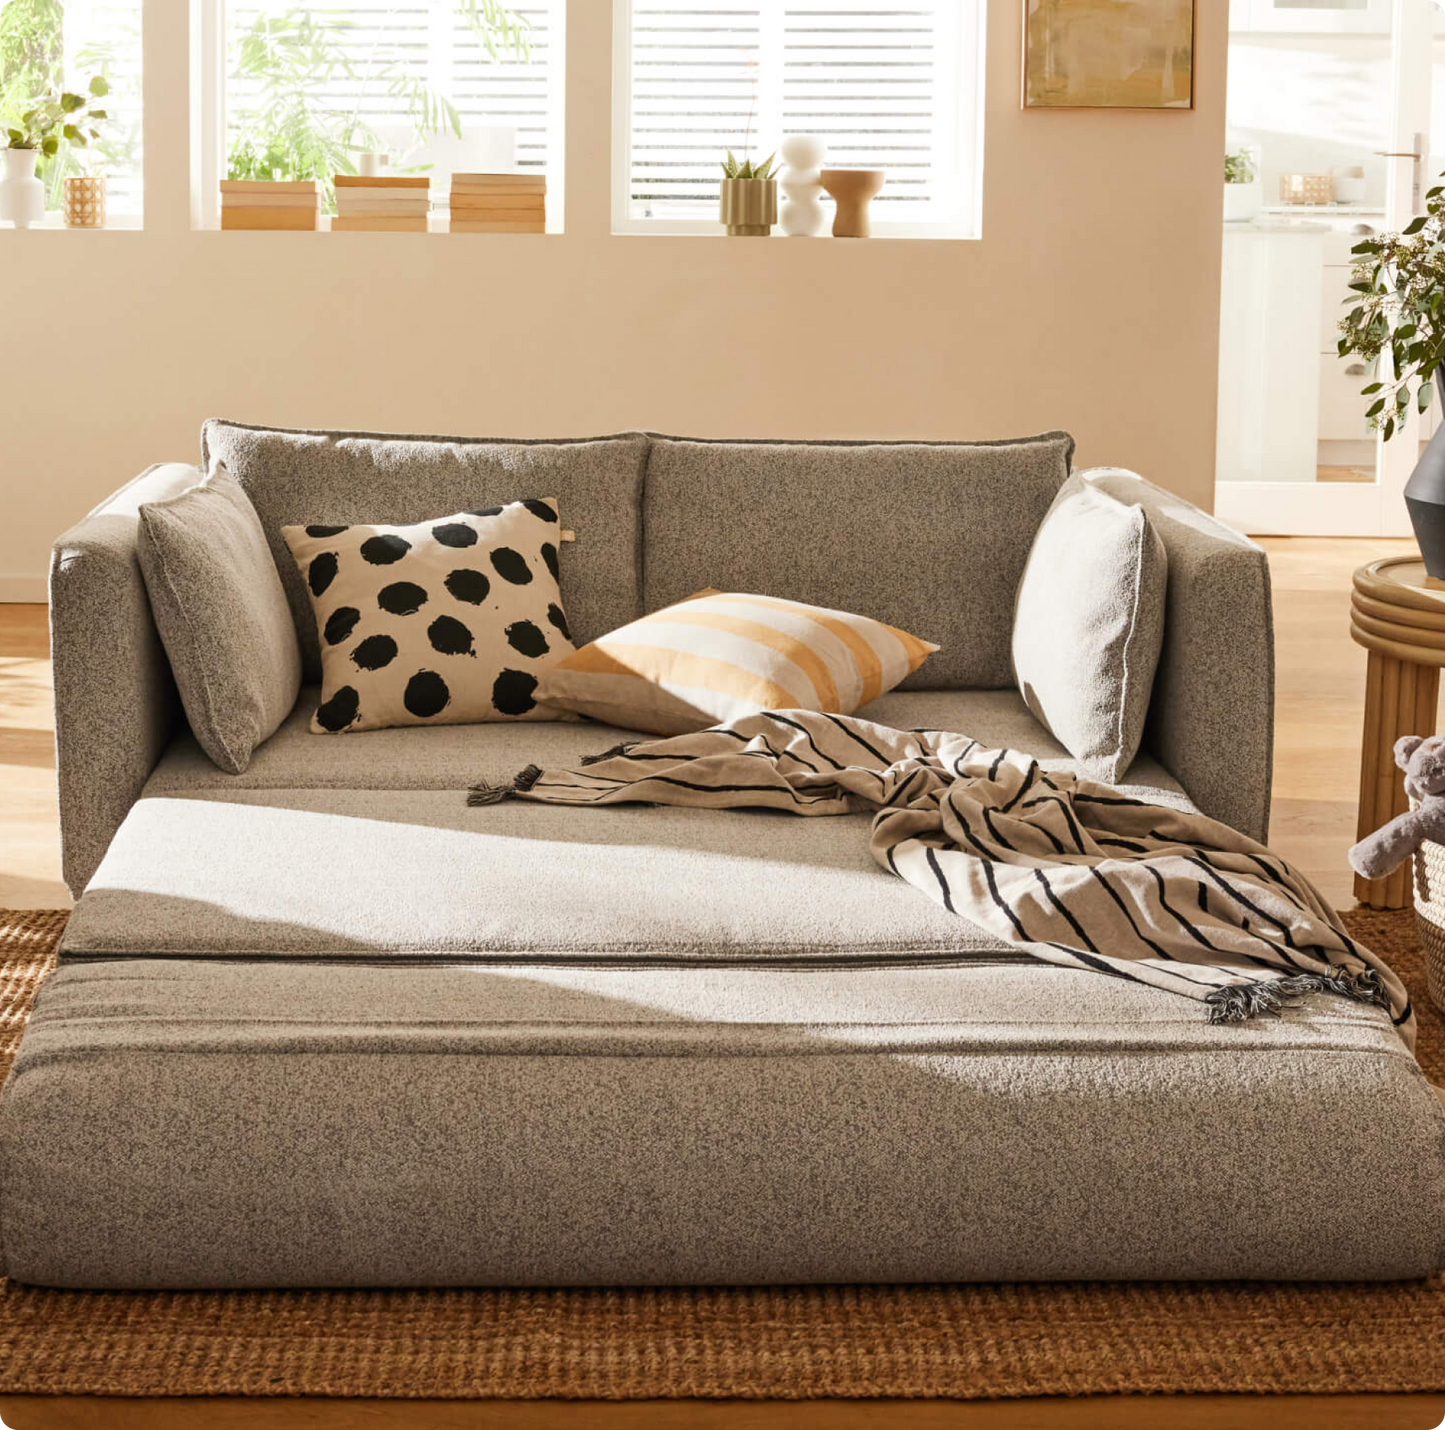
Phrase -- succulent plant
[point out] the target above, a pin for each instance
(747, 169)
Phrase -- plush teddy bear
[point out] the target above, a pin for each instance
(1423, 760)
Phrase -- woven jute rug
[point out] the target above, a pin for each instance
(964, 1342)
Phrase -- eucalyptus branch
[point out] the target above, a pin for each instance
(1397, 322)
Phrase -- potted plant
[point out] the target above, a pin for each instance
(748, 200)
(1398, 326)
(62, 118)
(1242, 189)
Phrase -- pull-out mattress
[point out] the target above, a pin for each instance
(213, 1123)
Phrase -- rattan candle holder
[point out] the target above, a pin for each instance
(83, 202)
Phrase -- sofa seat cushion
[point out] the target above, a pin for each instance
(204, 1123)
(366, 846)
(403, 873)
(454, 757)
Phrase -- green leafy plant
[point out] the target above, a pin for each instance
(747, 169)
(32, 49)
(32, 53)
(1397, 322)
(1239, 167)
(63, 118)
(283, 61)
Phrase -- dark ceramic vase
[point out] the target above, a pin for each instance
(1425, 501)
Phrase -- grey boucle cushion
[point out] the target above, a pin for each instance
(1089, 624)
(192, 1122)
(927, 536)
(298, 478)
(222, 616)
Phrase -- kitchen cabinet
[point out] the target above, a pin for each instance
(1270, 365)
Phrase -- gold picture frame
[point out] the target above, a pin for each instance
(1108, 54)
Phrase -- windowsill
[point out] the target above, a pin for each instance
(680, 228)
(436, 224)
(54, 223)
(877, 236)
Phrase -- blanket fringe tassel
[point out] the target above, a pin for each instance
(1241, 1001)
(626, 748)
(485, 793)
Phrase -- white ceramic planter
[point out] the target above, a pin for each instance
(22, 195)
(1242, 201)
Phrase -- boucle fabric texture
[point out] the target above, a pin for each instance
(719, 655)
(1073, 872)
(445, 622)
(260, 1123)
(298, 478)
(115, 699)
(925, 536)
(717, 886)
(1212, 720)
(419, 757)
(222, 616)
(1089, 625)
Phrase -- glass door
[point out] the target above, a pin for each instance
(1328, 141)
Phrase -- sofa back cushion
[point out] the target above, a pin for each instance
(931, 537)
(298, 478)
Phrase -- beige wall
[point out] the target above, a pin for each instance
(1091, 303)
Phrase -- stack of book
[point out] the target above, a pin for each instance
(398, 203)
(499, 203)
(270, 204)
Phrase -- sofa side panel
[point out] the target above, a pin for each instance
(1211, 721)
(115, 700)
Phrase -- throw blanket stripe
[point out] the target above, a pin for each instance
(1072, 872)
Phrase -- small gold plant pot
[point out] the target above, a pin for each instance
(748, 208)
(83, 202)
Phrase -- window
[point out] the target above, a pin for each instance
(441, 86)
(47, 46)
(889, 84)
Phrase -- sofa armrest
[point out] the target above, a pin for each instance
(115, 700)
(1211, 720)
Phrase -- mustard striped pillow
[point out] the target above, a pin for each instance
(721, 654)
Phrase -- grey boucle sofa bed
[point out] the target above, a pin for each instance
(322, 1023)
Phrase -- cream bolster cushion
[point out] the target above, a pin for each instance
(442, 622)
(718, 655)
(1089, 625)
(222, 615)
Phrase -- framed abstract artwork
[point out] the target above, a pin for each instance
(1108, 54)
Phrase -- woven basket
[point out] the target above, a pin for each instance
(1429, 881)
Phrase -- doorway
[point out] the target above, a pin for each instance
(1329, 139)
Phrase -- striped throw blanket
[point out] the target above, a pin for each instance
(1075, 873)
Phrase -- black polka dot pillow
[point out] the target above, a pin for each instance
(446, 622)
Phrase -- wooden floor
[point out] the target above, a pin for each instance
(1198, 1412)
(1320, 696)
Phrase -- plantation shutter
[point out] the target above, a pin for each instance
(430, 40)
(884, 84)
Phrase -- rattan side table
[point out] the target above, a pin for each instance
(1397, 613)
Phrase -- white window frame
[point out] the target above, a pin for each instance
(209, 124)
(963, 123)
